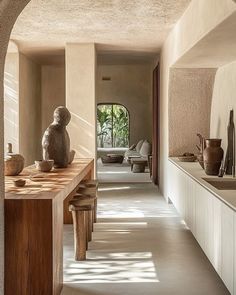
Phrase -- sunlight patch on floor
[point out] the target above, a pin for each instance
(122, 268)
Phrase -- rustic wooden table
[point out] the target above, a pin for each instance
(34, 227)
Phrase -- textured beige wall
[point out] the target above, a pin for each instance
(11, 101)
(30, 109)
(52, 91)
(224, 99)
(190, 95)
(199, 19)
(131, 86)
(80, 97)
(9, 10)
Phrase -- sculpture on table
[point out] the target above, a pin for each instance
(228, 164)
(56, 141)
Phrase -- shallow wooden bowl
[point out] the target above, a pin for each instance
(19, 182)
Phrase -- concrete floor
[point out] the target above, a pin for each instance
(140, 246)
(120, 173)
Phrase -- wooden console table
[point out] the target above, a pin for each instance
(34, 227)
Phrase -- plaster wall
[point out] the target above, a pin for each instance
(223, 100)
(131, 86)
(199, 19)
(52, 91)
(80, 98)
(190, 95)
(11, 101)
(9, 10)
(30, 109)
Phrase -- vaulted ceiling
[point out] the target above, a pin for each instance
(115, 25)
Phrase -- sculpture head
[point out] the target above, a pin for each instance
(62, 116)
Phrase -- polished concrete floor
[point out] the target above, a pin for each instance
(140, 247)
(109, 173)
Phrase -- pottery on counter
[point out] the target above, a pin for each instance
(44, 165)
(229, 165)
(213, 155)
(201, 148)
(14, 163)
(187, 157)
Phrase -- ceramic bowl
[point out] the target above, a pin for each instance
(187, 158)
(44, 165)
(19, 182)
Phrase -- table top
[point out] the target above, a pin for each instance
(40, 185)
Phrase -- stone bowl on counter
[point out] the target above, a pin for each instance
(44, 165)
(187, 157)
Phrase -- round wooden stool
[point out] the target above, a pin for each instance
(80, 222)
(93, 185)
(86, 199)
(89, 183)
(92, 191)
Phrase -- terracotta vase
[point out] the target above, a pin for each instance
(14, 163)
(213, 155)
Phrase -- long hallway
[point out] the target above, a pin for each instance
(140, 246)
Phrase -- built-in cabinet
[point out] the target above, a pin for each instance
(211, 221)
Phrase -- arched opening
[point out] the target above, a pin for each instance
(181, 39)
(113, 125)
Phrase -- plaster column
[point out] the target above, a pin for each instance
(81, 99)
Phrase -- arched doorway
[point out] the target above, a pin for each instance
(9, 11)
(113, 125)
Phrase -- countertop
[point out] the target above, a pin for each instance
(194, 170)
(57, 183)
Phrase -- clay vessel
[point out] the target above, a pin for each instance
(213, 155)
(201, 148)
(44, 165)
(19, 182)
(14, 163)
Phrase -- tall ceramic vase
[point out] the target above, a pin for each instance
(212, 156)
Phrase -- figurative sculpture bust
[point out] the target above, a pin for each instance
(56, 141)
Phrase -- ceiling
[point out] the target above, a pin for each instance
(116, 26)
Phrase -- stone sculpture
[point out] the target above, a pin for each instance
(56, 141)
(230, 154)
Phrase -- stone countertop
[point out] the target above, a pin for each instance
(56, 183)
(194, 170)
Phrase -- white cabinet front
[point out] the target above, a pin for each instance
(212, 223)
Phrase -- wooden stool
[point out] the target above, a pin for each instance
(84, 200)
(92, 191)
(80, 222)
(138, 165)
(91, 184)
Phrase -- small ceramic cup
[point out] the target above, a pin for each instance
(44, 165)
